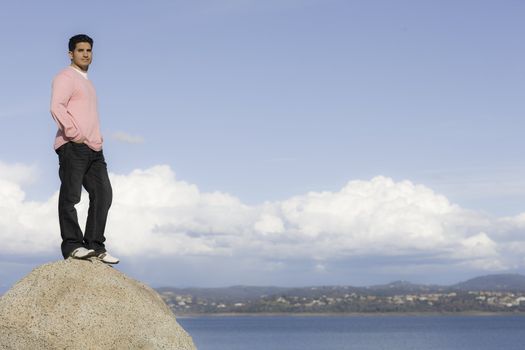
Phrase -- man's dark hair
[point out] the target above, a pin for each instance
(79, 38)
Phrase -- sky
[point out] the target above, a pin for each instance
(277, 142)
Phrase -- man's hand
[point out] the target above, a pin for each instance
(81, 140)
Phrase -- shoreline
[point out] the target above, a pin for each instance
(354, 314)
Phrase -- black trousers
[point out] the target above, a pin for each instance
(81, 166)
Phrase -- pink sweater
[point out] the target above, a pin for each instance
(74, 108)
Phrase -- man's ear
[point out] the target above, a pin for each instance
(70, 53)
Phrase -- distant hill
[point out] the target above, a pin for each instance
(226, 294)
(404, 287)
(500, 283)
(492, 293)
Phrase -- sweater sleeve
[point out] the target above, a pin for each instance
(62, 90)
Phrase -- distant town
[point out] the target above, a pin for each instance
(488, 294)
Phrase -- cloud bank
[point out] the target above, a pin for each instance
(128, 138)
(156, 215)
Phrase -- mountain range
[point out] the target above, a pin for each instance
(489, 283)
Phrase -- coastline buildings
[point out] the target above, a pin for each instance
(306, 300)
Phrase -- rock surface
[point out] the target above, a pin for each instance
(86, 304)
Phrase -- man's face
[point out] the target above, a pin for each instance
(81, 57)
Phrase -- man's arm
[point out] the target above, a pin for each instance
(62, 90)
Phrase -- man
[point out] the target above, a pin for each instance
(78, 144)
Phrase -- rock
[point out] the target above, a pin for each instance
(86, 304)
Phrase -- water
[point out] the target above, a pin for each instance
(357, 332)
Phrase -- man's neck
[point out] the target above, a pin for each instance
(80, 69)
(81, 72)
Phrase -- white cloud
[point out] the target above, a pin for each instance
(127, 138)
(267, 224)
(26, 227)
(156, 215)
(17, 173)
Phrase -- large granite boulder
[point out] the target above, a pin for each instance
(85, 304)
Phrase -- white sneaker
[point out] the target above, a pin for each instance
(82, 253)
(107, 258)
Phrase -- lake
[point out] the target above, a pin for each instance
(356, 332)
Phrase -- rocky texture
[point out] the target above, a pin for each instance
(85, 304)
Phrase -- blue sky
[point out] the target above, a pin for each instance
(260, 105)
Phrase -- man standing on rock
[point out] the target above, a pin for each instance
(78, 144)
